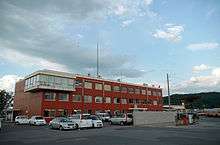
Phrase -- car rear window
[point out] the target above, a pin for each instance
(39, 118)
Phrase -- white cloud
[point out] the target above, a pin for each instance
(126, 23)
(216, 72)
(30, 61)
(148, 2)
(197, 84)
(7, 82)
(120, 9)
(171, 33)
(203, 46)
(200, 68)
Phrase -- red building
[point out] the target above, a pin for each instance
(51, 93)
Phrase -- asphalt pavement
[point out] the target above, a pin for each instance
(207, 132)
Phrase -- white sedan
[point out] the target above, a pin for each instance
(81, 121)
(21, 120)
(37, 120)
(96, 121)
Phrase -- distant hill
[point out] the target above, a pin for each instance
(197, 100)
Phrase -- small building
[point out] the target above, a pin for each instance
(51, 93)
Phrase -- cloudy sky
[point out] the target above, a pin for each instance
(140, 41)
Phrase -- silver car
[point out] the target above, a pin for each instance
(62, 123)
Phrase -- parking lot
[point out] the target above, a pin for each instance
(206, 132)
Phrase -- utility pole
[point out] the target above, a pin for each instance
(97, 60)
(168, 90)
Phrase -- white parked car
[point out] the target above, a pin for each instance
(96, 121)
(0, 123)
(122, 119)
(81, 121)
(62, 123)
(37, 120)
(104, 116)
(21, 120)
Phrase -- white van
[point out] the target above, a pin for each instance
(37, 120)
(81, 121)
(21, 120)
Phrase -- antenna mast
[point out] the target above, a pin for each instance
(97, 60)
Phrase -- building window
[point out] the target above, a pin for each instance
(154, 102)
(88, 85)
(50, 96)
(123, 101)
(76, 98)
(124, 89)
(159, 94)
(131, 101)
(131, 90)
(154, 93)
(78, 83)
(116, 88)
(116, 100)
(107, 100)
(107, 87)
(143, 92)
(98, 99)
(49, 112)
(88, 99)
(63, 97)
(137, 91)
(149, 93)
(98, 86)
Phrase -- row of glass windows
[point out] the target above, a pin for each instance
(99, 86)
(49, 81)
(50, 96)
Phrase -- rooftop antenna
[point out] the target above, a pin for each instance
(97, 60)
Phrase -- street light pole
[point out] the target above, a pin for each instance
(168, 90)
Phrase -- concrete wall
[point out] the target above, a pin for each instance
(153, 118)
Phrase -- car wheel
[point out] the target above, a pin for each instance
(61, 128)
(77, 126)
(110, 123)
(50, 126)
(121, 123)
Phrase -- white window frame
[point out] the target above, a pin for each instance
(98, 98)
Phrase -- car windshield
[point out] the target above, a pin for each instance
(65, 120)
(38, 118)
(23, 117)
(94, 117)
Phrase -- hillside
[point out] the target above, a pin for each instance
(197, 100)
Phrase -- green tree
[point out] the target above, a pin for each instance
(5, 101)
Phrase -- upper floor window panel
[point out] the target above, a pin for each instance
(137, 91)
(98, 86)
(124, 89)
(131, 90)
(143, 92)
(76, 98)
(63, 96)
(149, 93)
(116, 89)
(50, 96)
(107, 87)
(88, 85)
